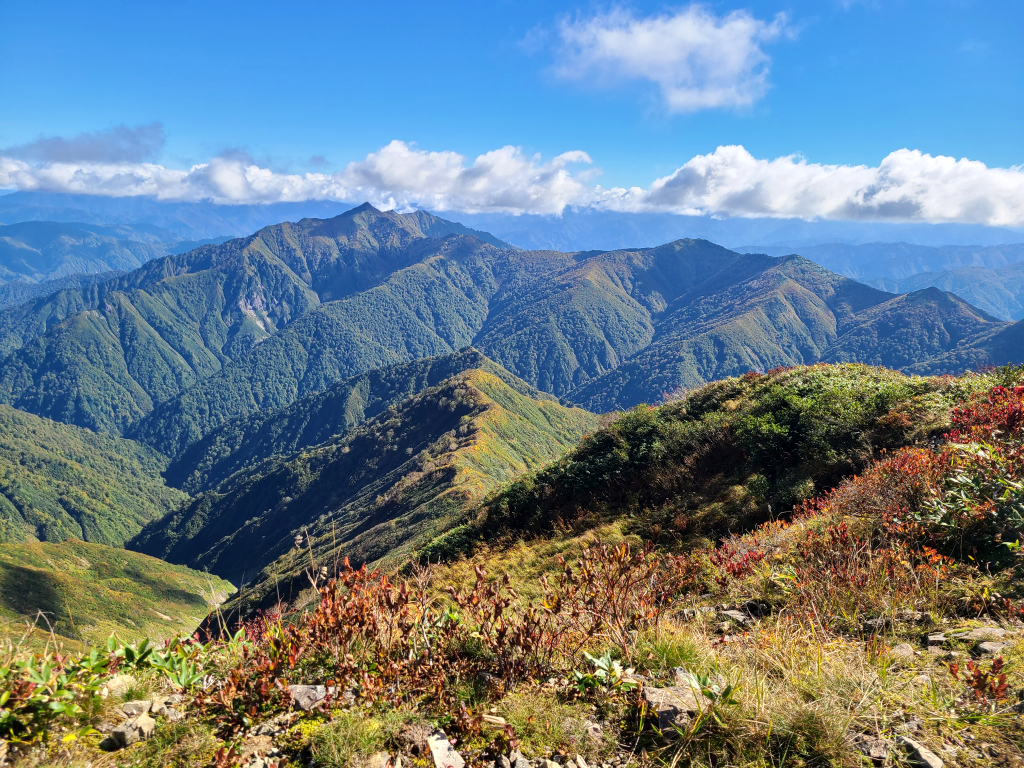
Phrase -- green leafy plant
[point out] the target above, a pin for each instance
(608, 674)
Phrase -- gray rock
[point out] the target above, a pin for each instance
(594, 732)
(504, 762)
(136, 708)
(936, 638)
(515, 757)
(376, 760)
(755, 609)
(124, 735)
(173, 715)
(673, 706)
(144, 726)
(877, 750)
(119, 684)
(919, 754)
(903, 651)
(308, 697)
(991, 647)
(985, 633)
(877, 625)
(443, 752)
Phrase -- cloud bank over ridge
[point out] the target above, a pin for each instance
(907, 185)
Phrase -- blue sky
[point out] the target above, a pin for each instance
(287, 84)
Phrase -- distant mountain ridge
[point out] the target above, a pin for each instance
(174, 350)
(990, 277)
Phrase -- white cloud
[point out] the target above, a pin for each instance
(398, 175)
(698, 60)
(907, 185)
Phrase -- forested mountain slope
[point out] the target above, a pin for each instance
(245, 441)
(103, 355)
(60, 482)
(378, 490)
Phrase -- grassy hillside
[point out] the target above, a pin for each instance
(86, 592)
(375, 492)
(59, 482)
(245, 441)
(724, 457)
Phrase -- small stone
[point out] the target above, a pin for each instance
(919, 754)
(515, 757)
(144, 726)
(308, 697)
(551, 764)
(594, 732)
(443, 752)
(118, 685)
(136, 708)
(376, 760)
(903, 651)
(124, 735)
(672, 706)
(936, 638)
(504, 762)
(991, 647)
(173, 715)
(877, 750)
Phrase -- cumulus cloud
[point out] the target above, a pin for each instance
(398, 175)
(697, 60)
(907, 185)
(120, 144)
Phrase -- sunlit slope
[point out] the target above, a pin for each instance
(247, 440)
(86, 592)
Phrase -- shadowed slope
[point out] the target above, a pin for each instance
(373, 492)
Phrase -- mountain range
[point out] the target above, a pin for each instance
(167, 353)
(362, 384)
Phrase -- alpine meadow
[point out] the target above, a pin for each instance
(512, 385)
